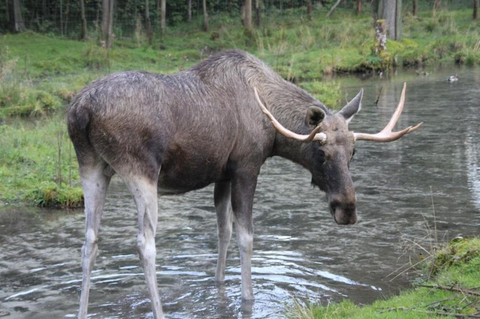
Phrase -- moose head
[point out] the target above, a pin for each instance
(331, 147)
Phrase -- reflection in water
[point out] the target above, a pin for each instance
(472, 144)
(298, 250)
(473, 168)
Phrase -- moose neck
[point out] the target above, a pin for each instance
(288, 104)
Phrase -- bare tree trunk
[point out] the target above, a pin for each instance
(359, 7)
(205, 16)
(414, 8)
(15, 17)
(44, 10)
(475, 9)
(148, 22)
(163, 16)
(61, 17)
(392, 13)
(9, 13)
(247, 23)
(258, 13)
(436, 5)
(110, 25)
(189, 10)
(67, 10)
(309, 9)
(105, 15)
(97, 19)
(380, 36)
(376, 11)
(84, 21)
(107, 22)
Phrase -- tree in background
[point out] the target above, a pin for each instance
(359, 7)
(309, 9)
(391, 12)
(205, 16)
(44, 10)
(247, 22)
(163, 16)
(84, 21)
(148, 22)
(15, 16)
(189, 9)
(107, 22)
(475, 9)
(414, 8)
(257, 13)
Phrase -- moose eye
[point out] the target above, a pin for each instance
(321, 156)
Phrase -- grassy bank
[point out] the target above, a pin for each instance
(37, 164)
(449, 287)
(39, 74)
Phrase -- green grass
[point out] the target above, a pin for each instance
(38, 164)
(456, 266)
(39, 73)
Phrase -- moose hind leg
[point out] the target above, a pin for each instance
(243, 189)
(224, 226)
(95, 185)
(144, 192)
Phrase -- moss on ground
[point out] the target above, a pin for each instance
(455, 267)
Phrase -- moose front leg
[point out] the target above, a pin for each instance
(243, 189)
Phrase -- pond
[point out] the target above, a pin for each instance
(299, 252)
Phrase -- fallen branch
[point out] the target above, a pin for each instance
(379, 94)
(448, 314)
(437, 313)
(465, 291)
(333, 8)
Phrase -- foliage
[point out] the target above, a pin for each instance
(456, 267)
(327, 92)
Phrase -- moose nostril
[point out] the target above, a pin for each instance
(333, 205)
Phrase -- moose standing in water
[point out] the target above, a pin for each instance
(170, 134)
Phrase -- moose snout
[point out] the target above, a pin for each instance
(344, 211)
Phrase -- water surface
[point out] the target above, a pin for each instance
(298, 249)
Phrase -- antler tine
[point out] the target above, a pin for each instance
(398, 112)
(313, 136)
(386, 135)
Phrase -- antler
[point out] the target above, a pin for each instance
(313, 136)
(386, 135)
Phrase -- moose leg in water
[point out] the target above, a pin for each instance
(95, 184)
(243, 189)
(144, 191)
(224, 226)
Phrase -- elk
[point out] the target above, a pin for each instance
(170, 134)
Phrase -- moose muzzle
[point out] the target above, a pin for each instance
(344, 211)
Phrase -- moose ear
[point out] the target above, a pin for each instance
(353, 107)
(315, 116)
